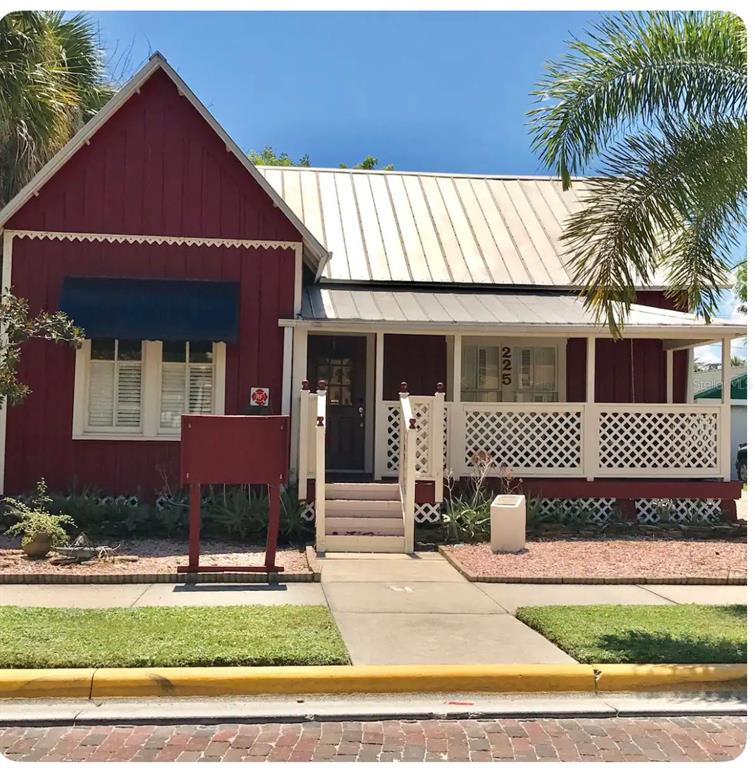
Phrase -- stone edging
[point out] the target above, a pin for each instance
(719, 580)
(230, 577)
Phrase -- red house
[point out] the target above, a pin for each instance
(204, 283)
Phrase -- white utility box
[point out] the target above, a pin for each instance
(508, 521)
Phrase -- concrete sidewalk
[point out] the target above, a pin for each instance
(395, 609)
(417, 609)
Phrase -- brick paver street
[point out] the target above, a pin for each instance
(607, 739)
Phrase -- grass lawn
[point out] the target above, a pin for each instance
(170, 637)
(644, 633)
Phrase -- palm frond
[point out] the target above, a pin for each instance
(637, 68)
(672, 199)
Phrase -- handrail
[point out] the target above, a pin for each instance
(322, 401)
(407, 464)
(304, 430)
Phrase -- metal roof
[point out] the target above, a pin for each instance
(485, 308)
(433, 228)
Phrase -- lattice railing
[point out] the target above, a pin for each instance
(658, 440)
(525, 438)
(388, 417)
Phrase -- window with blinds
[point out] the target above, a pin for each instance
(115, 385)
(186, 384)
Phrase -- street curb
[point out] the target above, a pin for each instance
(495, 678)
(689, 580)
(229, 577)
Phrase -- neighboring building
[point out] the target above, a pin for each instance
(199, 278)
(711, 377)
(738, 410)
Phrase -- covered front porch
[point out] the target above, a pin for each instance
(532, 387)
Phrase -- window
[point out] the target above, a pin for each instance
(133, 389)
(507, 371)
(186, 382)
(115, 385)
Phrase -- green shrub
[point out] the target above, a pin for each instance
(236, 512)
(35, 517)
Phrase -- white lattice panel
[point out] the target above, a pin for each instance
(525, 438)
(422, 411)
(703, 511)
(427, 513)
(308, 512)
(655, 440)
(599, 510)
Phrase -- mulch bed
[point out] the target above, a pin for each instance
(155, 558)
(615, 560)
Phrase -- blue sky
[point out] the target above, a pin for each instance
(426, 91)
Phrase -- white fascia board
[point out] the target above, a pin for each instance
(520, 329)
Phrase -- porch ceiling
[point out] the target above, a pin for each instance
(486, 311)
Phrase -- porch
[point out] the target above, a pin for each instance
(559, 404)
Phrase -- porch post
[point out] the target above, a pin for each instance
(590, 426)
(298, 374)
(380, 435)
(725, 452)
(456, 436)
(669, 375)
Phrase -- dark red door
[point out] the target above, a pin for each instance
(340, 361)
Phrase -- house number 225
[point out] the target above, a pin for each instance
(506, 366)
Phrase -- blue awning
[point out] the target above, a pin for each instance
(154, 310)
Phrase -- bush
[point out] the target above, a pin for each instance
(239, 513)
(35, 517)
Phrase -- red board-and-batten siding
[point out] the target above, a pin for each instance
(155, 167)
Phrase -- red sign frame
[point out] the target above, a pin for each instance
(234, 450)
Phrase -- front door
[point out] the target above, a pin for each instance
(340, 361)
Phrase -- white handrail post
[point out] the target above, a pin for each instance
(724, 453)
(411, 469)
(437, 434)
(320, 466)
(591, 417)
(304, 426)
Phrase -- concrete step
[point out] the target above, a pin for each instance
(380, 526)
(363, 508)
(362, 491)
(364, 543)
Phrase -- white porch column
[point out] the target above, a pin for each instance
(298, 374)
(669, 375)
(456, 427)
(725, 451)
(380, 436)
(590, 427)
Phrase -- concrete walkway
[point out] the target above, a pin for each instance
(395, 609)
(401, 609)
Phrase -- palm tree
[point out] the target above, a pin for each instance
(656, 104)
(51, 81)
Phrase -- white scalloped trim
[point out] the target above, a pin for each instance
(100, 237)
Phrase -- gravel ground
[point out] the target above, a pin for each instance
(154, 556)
(618, 558)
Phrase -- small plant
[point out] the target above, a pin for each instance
(37, 525)
(466, 515)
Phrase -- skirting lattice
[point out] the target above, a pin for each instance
(571, 510)
(427, 513)
(308, 512)
(698, 511)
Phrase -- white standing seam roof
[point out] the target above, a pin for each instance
(484, 308)
(393, 226)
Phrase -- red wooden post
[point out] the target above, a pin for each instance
(194, 525)
(273, 524)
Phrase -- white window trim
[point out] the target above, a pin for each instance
(518, 342)
(151, 373)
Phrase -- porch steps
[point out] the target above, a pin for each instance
(364, 543)
(363, 517)
(362, 491)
